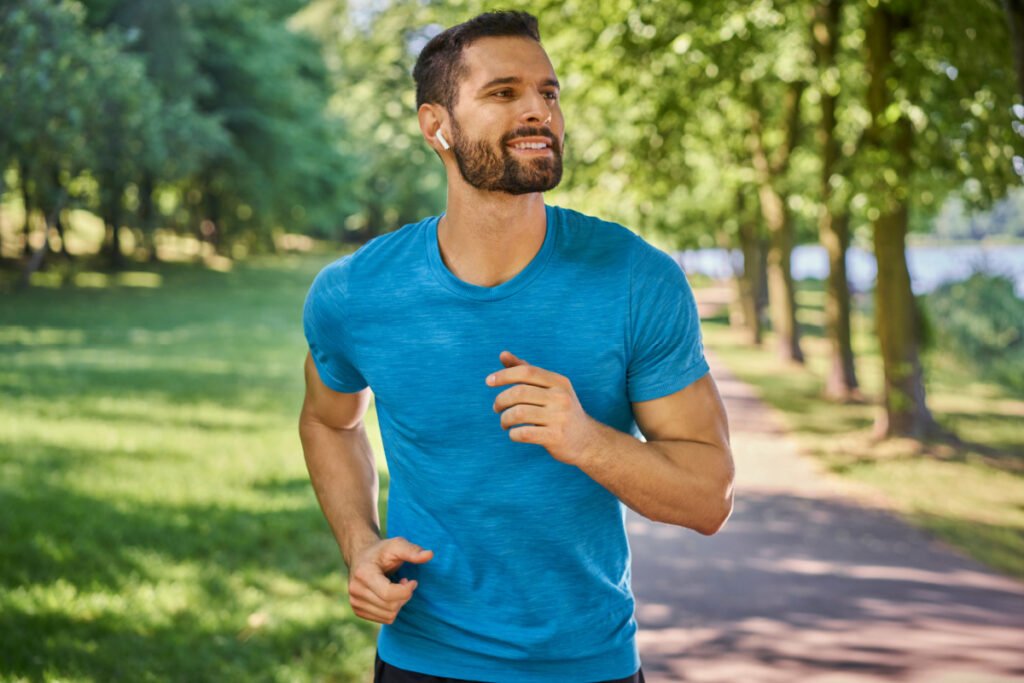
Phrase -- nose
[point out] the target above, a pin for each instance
(537, 109)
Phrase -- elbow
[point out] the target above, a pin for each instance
(722, 511)
(715, 525)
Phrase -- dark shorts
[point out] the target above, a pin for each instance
(385, 673)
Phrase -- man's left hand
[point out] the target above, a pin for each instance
(545, 403)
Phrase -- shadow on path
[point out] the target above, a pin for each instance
(803, 584)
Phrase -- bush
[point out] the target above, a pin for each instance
(981, 320)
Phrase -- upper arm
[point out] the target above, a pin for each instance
(336, 409)
(694, 413)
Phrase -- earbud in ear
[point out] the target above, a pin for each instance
(444, 143)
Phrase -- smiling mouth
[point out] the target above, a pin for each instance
(530, 145)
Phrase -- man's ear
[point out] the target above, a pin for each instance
(433, 119)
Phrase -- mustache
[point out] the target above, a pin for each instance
(531, 131)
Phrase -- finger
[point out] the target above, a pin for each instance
(368, 596)
(370, 583)
(525, 374)
(382, 592)
(528, 434)
(520, 393)
(509, 359)
(525, 414)
(372, 612)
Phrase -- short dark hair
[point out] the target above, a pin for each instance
(439, 66)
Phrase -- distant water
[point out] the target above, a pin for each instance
(929, 266)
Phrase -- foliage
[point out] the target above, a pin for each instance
(981, 320)
(217, 106)
(370, 54)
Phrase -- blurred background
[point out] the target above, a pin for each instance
(842, 180)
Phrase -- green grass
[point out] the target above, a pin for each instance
(158, 522)
(971, 494)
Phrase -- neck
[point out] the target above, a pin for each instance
(486, 238)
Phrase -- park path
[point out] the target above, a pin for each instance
(810, 582)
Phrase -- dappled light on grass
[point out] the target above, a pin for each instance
(158, 519)
(89, 279)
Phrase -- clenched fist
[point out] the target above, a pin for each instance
(370, 592)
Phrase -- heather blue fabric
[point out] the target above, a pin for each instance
(530, 579)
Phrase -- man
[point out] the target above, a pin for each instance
(512, 347)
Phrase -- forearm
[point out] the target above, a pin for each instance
(687, 483)
(343, 471)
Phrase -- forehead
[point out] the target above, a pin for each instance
(502, 57)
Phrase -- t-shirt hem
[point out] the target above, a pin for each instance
(442, 662)
(672, 384)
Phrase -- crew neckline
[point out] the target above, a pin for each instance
(471, 291)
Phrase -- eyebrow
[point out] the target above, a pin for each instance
(515, 79)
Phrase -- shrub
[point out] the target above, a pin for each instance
(981, 320)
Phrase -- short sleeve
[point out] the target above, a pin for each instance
(667, 352)
(323, 321)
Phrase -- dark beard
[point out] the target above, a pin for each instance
(482, 168)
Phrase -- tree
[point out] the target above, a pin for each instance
(1015, 18)
(940, 112)
(165, 36)
(833, 214)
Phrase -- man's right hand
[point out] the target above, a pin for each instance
(370, 592)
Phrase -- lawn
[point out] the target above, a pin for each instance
(158, 522)
(971, 494)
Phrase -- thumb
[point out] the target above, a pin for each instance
(509, 359)
(399, 550)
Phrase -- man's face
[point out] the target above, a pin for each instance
(507, 125)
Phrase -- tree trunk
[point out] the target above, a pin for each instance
(63, 234)
(762, 274)
(781, 291)
(833, 229)
(904, 411)
(35, 261)
(1015, 17)
(147, 215)
(210, 228)
(841, 383)
(26, 200)
(3, 191)
(896, 319)
(769, 172)
(112, 219)
(749, 280)
(58, 221)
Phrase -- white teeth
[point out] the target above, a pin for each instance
(530, 145)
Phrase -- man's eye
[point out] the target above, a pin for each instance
(551, 95)
(503, 93)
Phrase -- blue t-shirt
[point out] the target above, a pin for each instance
(530, 579)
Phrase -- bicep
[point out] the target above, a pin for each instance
(694, 413)
(336, 409)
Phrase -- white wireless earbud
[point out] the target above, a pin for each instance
(444, 143)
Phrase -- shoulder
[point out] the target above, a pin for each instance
(590, 238)
(369, 261)
(578, 224)
(583, 231)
